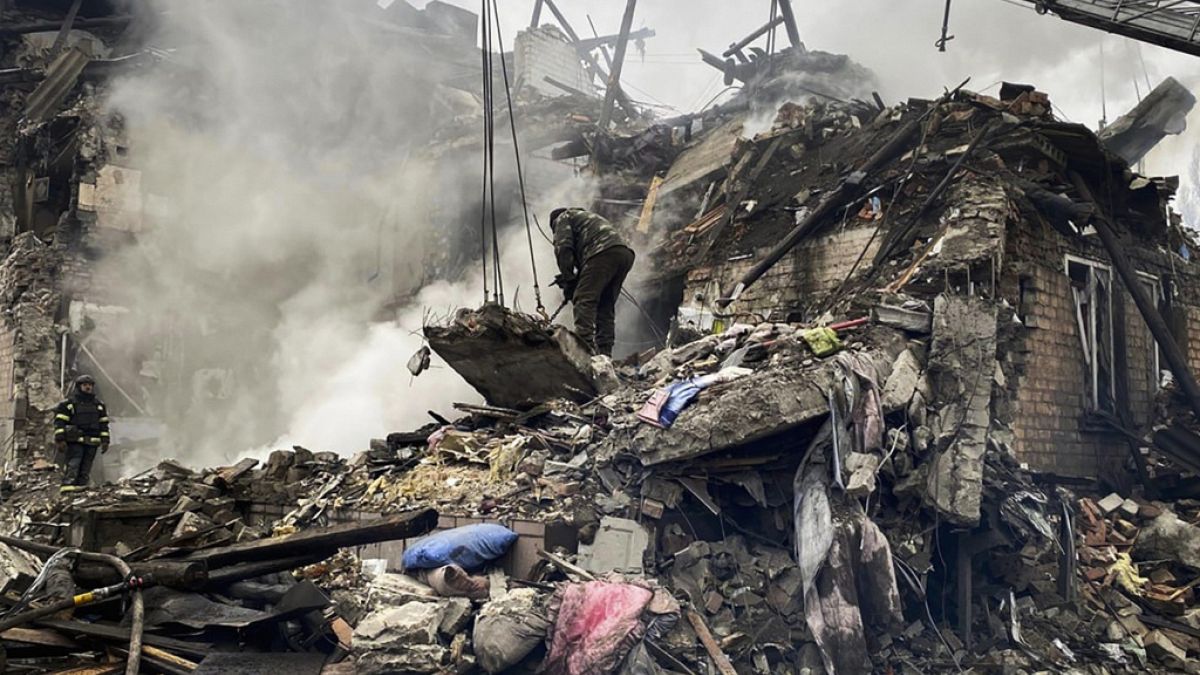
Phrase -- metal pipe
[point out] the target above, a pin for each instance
(129, 582)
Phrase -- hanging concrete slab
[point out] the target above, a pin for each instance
(514, 360)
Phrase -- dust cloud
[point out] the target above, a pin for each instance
(299, 211)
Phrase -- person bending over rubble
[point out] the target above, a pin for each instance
(80, 427)
(593, 261)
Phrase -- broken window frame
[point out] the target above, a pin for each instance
(1099, 280)
(1153, 287)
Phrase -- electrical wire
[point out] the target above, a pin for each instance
(490, 111)
(1103, 95)
(483, 55)
(512, 124)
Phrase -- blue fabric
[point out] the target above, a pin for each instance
(679, 396)
(470, 547)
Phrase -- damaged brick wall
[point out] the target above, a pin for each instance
(30, 299)
(814, 268)
(1052, 399)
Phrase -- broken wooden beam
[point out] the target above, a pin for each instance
(719, 659)
(390, 528)
(230, 474)
(789, 21)
(614, 77)
(181, 574)
(252, 570)
(595, 68)
(43, 638)
(758, 32)
(598, 42)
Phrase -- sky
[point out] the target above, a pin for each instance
(994, 40)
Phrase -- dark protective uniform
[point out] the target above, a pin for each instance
(593, 261)
(80, 421)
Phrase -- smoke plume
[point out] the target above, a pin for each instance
(300, 209)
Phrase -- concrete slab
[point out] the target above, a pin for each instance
(620, 544)
(964, 347)
(514, 360)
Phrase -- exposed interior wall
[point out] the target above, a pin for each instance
(542, 52)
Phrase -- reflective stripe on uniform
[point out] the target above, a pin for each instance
(103, 433)
(59, 431)
(104, 419)
(65, 418)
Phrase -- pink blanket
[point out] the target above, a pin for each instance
(595, 625)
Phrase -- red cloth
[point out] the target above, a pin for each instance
(596, 624)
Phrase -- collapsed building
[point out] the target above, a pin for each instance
(923, 403)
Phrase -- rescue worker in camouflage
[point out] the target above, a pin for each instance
(593, 261)
(80, 428)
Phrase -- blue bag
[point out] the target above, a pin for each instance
(470, 547)
(679, 396)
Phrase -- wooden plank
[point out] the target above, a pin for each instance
(643, 225)
(401, 526)
(32, 636)
(120, 634)
(168, 657)
(614, 77)
(710, 643)
(229, 475)
(103, 669)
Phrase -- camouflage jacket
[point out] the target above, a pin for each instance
(580, 235)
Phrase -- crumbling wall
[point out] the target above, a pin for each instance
(1050, 426)
(542, 52)
(814, 268)
(30, 301)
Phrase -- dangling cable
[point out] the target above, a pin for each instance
(512, 123)
(483, 49)
(489, 113)
(1103, 95)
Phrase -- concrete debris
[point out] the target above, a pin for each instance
(1161, 113)
(507, 630)
(960, 364)
(1168, 537)
(513, 360)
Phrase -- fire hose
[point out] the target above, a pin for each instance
(130, 584)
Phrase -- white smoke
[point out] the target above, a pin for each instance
(303, 208)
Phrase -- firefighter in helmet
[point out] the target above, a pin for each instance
(80, 429)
